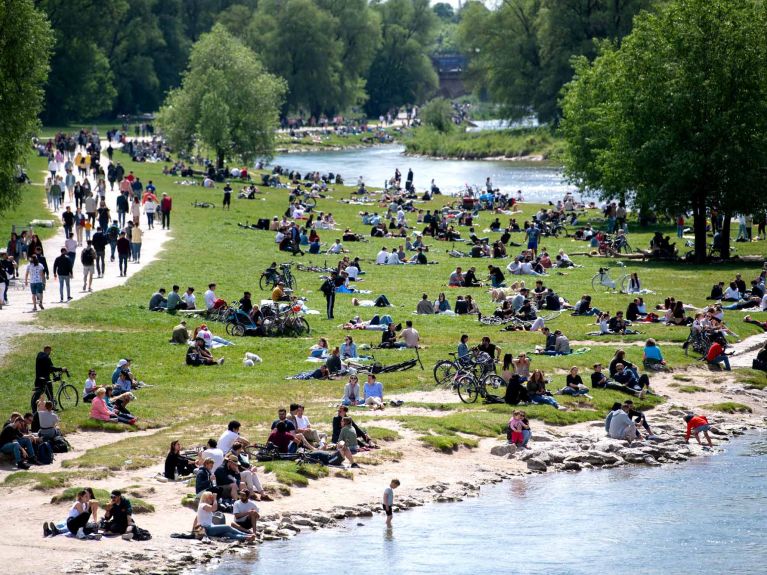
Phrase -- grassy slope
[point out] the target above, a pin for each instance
(208, 246)
(32, 205)
(485, 144)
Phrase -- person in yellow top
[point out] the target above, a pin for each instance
(278, 293)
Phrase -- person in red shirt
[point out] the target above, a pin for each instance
(166, 204)
(716, 355)
(697, 424)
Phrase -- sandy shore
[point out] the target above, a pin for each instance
(425, 474)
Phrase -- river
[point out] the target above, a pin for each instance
(538, 183)
(706, 516)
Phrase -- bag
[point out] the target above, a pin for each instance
(219, 518)
(60, 445)
(140, 534)
(44, 453)
(86, 257)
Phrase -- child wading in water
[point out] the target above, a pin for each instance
(697, 424)
(388, 499)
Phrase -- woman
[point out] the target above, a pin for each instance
(176, 464)
(678, 316)
(515, 391)
(333, 362)
(471, 306)
(604, 323)
(150, 207)
(80, 512)
(536, 390)
(352, 391)
(652, 358)
(441, 305)
(119, 405)
(320, 349)
(99, 409)
(731, 293)
(496, 276)
(508, 365)
(522, 367)
(89, 391)
(620, 357)
(12, 249)
(635, 285)
(574, 384)
(389, 337)
(205, 510)
(348, 348)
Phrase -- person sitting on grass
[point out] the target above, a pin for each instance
(205, 510)
(362, 436)
(180, 334)
(697, 424)
(760, 361)
(537, 392)
(574, 385)
(197, 355)
(620, 425)
(441, 305)
(99, 409)
(652, 358)
(628, 379)
(352, 394)
(176, 464)
(347, 440)
(245, 513)
(601, 381)
(583, 307)
(204, 480)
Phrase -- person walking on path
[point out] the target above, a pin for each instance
(166, 205)
(62, 269)
(123, 253)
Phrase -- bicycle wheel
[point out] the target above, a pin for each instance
(229, 328)
(596, 281)
(624, 283)
(444, 372)
(492, 380)
(310, 203)
(273, 329)
(67, 397)
(301, 327)
(468, 389)
(238, 329)
(490, 320)
(290, 281)
(265, 282)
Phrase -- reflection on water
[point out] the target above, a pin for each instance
(708, 516)
(537, 183)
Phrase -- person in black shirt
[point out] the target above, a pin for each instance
(740, 284)
(461, 306)
(62, 269)
(227, 196)
(44, 368)
(343, 411)
(632, 311)
(228, 476)
(13, 442)
(717, 291)
(552, 301)
(470, 278)
(246, 304)
(177, 463)
(489, 348)
(119, 514)
(333, 362)
(282, 416)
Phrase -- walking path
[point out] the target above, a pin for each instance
(17, 316)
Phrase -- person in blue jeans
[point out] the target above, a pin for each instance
(205, 510)
(536, 390)
(14, 443)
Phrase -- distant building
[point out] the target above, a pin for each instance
(450, 68)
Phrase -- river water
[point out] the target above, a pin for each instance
(538, 183)
(707, 516)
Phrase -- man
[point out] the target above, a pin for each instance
(716, 355)
(100, 242)
(35, 278)
(246, 303)
(621, 425)
(158, 302)
(281, 438)
(519, 300)
(456, 278)
(343, 412)
(227, 197)
(13, 443)
(383, 256)
(123, 253)
(248, 474)
(617, 324)
(393, 259)
(174, 300)
(189, 299)
(211, 452)
(197, 355)
(470, 278)
(119, 515)
(62, 269)
(136, 242)
(71, 245)
(627, 378)
(328, 288)
(230, 436)
(245, 513)
(410, 335)
(489, 348)
(210, 297)
(180, 334)
(68, 220)
(282, 416)
(424, 307)
(228, 477)
(88, 259)
(44, 368)
(336, 248)
(278, 293)
(166, 204)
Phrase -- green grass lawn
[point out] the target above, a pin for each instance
(31, 207)
(207, 246)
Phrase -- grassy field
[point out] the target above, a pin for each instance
(485, 144)
(192, 404)
(31, 207)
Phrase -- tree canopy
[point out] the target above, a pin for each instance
(25, 47)
(227, 101)
(675, 119)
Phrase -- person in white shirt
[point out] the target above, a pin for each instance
(763, 303)
(514, 267)
(336, 248)
(410, 335)
(352, 271)
(35, 278)
(393, 259)
(211, 452)
(210, 296)
(89, 391)
(382, 257)
(731, 293)
(304, 427)
(231, 435)
(400, 216)
(189, 298)
(245, 513)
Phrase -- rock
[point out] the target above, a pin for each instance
(595, 457)
(571, 466)
(609, 445)
(556, 456)
(503, 450)
(541, 436)
(633, 455)
(304, 522)
(285, 533)
(648, 460)
(536, 464)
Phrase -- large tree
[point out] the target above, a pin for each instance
(25, 47)
(675, 119)
(227, 101)
(401, 72)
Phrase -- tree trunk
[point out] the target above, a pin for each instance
(220, 159)
(699, 225)
(725, 236)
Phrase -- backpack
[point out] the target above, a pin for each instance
(60, 445)
(44, 453)
(140, 534)
(86, 257)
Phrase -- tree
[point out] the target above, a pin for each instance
(438, 114)
(25, 48)
(401, 72)
(227, 101)
(675, 119)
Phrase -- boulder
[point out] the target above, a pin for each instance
(571, 466)
(595, 457)
(536, 464)
(503, 450)
(609, 445)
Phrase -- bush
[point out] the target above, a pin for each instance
(438, 114)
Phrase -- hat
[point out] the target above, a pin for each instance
(122, 362)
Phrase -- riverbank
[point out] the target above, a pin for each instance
(531, 144)
(427, 477)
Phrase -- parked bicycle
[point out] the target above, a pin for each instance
(197, 204)
(470, 387)
(66, 395)
(602, 279)
(270, 278)
(447, 371)
(289, 322)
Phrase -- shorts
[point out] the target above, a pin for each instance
(227, 199)
(88, 270)
(532, 245)
(387, 509)
(701, 429)
(37, 288)
(245, 522)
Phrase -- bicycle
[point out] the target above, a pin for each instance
(66, 394)
(469, 387)
(270, 278)
(197, 204)
(447, 371)
(312, 268)
(287, 323)
(602, 279)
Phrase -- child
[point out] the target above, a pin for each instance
(697, 424)
(388, 499)
(515, 425)
(526, 431)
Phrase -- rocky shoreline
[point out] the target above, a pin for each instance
(553, 451)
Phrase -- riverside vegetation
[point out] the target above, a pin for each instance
(208, 246)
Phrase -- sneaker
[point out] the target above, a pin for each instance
(221, 361)
(46, 530)
(61, 301)
(22, 465)
(54, 530)
(355, 465)
(69, 298)
(81, 534)
(95, 536)
(127, 536)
